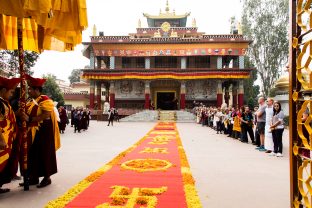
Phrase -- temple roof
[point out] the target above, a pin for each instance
(170, 17)
(167, 15)
(282, 83)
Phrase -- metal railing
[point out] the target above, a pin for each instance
(300, 101)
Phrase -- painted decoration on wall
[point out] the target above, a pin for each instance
(201, 89)
(129, 89)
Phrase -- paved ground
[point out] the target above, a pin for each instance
(228, 173)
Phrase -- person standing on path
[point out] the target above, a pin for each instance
(268, 139)
(247, 122)
(261, 122)
(43, 134)
(110, 117)
(277, 128)
(9, 144)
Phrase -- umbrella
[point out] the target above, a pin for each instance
(39, 25)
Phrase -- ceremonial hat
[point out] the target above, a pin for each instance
(9, 83)
(35, 82)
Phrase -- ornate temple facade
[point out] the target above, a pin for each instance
(166, 64)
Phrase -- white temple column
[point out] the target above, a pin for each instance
(147, 62)
(183, 62)
(219, 62)
(112, 62)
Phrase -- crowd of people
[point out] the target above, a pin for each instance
(37, 127)
(80, 119)
(264, 125)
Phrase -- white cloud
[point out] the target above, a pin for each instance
(120, 17)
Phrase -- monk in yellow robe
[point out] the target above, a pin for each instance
(42, 133)
(8, 131)
(237, 125)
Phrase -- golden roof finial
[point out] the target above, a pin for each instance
(139, 23)
(94, 30)
(239, 28)
(194, 22)
(167, 7)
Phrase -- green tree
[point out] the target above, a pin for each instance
(51, 89)
(74, 76)
(265, 22)
(251, 91)
(11, 57)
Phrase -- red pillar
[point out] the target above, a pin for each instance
(219, 100)
(240, 93)
(182, 101)
(91, 106)
(91, 101)
(98, 101)
(147, 102)
(112, 100)
(240, 100)
(98, 96)
(147, 93)
(234, 100)
(182, 95)
(219, 93)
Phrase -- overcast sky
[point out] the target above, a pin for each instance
(120, 17)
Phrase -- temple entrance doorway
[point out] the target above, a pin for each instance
(165, 94)
(166, 101)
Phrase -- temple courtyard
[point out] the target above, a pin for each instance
(228, 173)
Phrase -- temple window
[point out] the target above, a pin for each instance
(198, 62)
(230, 62)
(166, 62)
(133, 62)
(103, 62)
(140, 62)
(126, 62)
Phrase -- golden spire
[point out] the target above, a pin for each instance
(194, 22)
(94, 30)
(139, 23)
(167, 7)
(239, 28)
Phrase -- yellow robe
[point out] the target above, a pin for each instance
(9, 129)
(35, 108)
(236, 125)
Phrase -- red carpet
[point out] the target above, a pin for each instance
(149, 174)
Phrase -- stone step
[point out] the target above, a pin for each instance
(167, 116)
(185, 116)
(145, 115)
(153, 116)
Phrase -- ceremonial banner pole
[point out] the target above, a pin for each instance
(22, 101)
